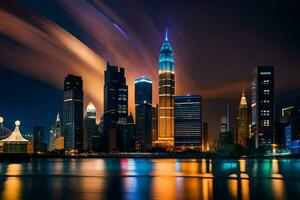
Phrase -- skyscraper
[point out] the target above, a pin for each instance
(243, 126)
(226, 136)
(262, 105)
(205, 144)
(90, 128)
(188, 122)
(73, 113)
(115, 105)
(143, 112)
(39, 144)
(154, 123)
(55, 135)
(166, 95)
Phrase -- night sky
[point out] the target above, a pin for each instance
(216, 46)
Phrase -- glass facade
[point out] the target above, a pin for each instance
(73, 113)
(188, 122)
(262, 104)
(166, 95)
(143, 111)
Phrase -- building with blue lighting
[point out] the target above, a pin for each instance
(166, 95)
(188, 122)
(143, 113)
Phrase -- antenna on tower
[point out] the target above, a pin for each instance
(166, 36)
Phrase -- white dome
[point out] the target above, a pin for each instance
(1, 120)
(16, 136)
(91, 107)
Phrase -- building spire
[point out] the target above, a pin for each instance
(166, 36)
(57, 117)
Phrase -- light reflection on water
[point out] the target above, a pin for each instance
(150, 179)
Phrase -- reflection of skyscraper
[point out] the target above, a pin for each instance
(166, 95)
(188, 122)
(115, 105)
(205, 144)
(243, 126)
(143, 112)
(262, 105)
(73, 113)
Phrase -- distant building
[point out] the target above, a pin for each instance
(29, 137)
(205, 144)
(39, 143)
(143, 112)
(90, 129)
(154, 124)
(73, 113)
(15, 143)
(166, 96)
(226, 136)
(290, 119)
(243, 125)
(188, 122)
(115, 105)
(262, 105)
(127, 139)
(56, 138)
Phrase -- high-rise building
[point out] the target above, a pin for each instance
(242, 125)
(166, 95)
(73, 113)
(154, 124)
(127, 132)
(188, 122)
(39, 144)
(115, 105)
(143, 113)
(90, 129)
(55, 134)
(262, 105)
(205, 144)
(226, 136)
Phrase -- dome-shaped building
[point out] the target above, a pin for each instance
(15, 143)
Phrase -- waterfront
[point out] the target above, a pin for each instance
(151, 179)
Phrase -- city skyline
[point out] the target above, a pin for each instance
(210, 104)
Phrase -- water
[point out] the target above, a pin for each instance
(151, 179)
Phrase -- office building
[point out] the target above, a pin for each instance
(242, 122)
(154, 124)
(143, 112)
(56, 137)
(205, 144)
(115, 105)
(188, 122)
(90, 129)
(73, 113)
(39, 142)
(262, 105)
(166, 96)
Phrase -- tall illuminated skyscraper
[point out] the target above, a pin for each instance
(166, 95)
(243, 126)
(73, 113)
(262, 105)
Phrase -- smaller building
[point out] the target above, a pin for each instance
(188, 122)
(15, 143)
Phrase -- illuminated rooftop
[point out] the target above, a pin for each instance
(16, 135)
